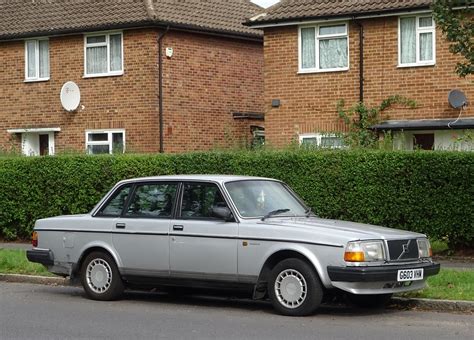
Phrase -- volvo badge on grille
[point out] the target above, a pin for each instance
(405, 249)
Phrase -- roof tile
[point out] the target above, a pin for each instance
(227, 15)
(23, 18)
(287, 10)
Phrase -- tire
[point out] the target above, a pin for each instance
(100, 277)
(294, 288)
(370, 301)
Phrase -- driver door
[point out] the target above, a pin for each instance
(202, 246)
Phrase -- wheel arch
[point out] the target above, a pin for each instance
(76, 269)
(281, 254)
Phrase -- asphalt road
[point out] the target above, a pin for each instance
(54, 312)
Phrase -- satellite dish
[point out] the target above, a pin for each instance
(70, 96)
(457, 99)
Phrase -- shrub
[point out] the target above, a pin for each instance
(429, 192)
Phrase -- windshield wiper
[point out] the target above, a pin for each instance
(275, 212)
(309, 212)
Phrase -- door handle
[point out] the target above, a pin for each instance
(120, 226)
(178, 227)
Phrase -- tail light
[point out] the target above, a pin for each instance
(34, 239)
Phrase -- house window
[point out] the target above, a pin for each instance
(103, 54)
(323, 48)
(36, 59)
(100, 142)
(416, 41)
(321, 140)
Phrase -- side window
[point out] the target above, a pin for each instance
(106, 141)
(152, 200)
(199, 199)
(115, 205)
(416, 43)
(103, 54)
(37, 60)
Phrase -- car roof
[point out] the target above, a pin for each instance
(207, 178)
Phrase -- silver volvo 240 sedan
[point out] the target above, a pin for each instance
(229, 232)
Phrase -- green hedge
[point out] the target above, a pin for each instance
(430, 192)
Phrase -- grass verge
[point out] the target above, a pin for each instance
(439, 247)
(14, 261)
(449, 284)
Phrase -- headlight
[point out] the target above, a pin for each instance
(424, 248)
(364, 251)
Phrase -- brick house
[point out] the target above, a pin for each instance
(318, 52)
(210, 93)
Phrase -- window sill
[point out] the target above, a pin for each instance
(102, 75)
(35, 80)
(323, 71)
(416, 65)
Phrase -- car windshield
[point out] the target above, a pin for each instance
(259, 198)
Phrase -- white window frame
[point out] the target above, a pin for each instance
(419, 30)
(107, 44)
(319, 137)
(109, 140)
(37, 63)
(318, 38)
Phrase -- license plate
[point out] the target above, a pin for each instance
(410, 275)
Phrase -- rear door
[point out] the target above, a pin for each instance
(141, 232)
(201, 245)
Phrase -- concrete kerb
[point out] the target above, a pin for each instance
(19, 278)
(435, 304)
(425, 304)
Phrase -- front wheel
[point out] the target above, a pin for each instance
(294, 288)
(100, 277)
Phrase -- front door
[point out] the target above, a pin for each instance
(201, 245)
(37, 144)
(44, 145)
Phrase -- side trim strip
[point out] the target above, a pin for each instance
(258, 239)
(104, 232)
(194, 235)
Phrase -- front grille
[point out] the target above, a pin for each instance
(396, 249)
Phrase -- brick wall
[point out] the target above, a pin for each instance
(127, 101)
(308, 101)
(206, 80)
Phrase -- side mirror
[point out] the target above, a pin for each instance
(222, 213)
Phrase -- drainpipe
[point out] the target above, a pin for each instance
(160, 85)
(361, 62)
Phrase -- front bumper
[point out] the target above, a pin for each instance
(386, 273)
(43, 256)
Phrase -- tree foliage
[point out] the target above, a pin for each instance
(456, 20)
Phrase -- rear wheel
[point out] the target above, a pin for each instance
(294, 288)
(100, 277)
(370, 301)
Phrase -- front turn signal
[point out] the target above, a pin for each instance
(354, 256)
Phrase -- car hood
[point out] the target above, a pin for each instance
(338, 229)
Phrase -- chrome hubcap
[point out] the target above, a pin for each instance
(99, 276)
(290, 288)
